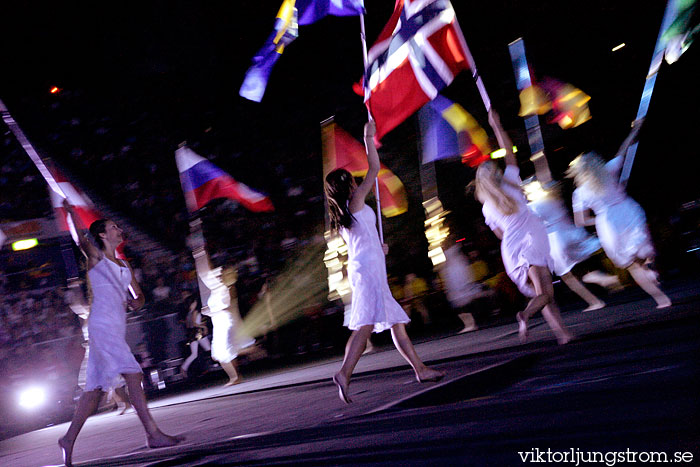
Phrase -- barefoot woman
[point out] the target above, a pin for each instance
(373, 308)
(110, 355)
(524, 243)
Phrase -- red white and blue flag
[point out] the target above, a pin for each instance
(203, 181)
(417, 54)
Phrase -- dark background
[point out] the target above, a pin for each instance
(182, 63)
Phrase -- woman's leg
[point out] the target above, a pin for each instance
(594, 303)
(231, 370)
(641, 276)
(405, 347)
(194, 345)
(122, 399)
(87, 404)
(542, 280)
(154, 437)
(535, 304)
(353, 351)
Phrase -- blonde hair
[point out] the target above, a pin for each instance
(488, 181)
(589, 169)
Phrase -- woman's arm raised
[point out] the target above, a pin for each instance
(358, 197)
(503, 139)
(93, 254)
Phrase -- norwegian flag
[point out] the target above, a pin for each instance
(418, 53)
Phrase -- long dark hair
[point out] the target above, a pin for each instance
(338, 192)
(96, 228)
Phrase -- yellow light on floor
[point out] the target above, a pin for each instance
(25, 244)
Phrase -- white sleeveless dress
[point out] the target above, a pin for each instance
(569, 244)
(110, 355)
(372, 302)
(228, 339)
(524, 241)
(619, 220)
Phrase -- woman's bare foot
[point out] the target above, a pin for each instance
(522, 327)
(161, 440)
(662, 302)
(595, 306)
(565, 338)
(233, 382)
(125, 408)
(343, 385)
(429, 375)
(67, 450)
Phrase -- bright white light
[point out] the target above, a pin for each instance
(618, 47)
(24, 244)
(499, 153)
(32, 397)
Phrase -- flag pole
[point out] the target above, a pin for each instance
(523, 80)
(669, 16)
(71, 269)
(475, 72)
(369, 115)
(66, 250)
(198, 247)
(31, 152)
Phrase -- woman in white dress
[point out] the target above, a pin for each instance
(110, 356)
(619, 220)
(524, 243)
(228, 338)
(373, 308)
(568, 244)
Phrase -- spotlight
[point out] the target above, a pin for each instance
(32, 397)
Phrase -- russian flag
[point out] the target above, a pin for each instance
(203, 181)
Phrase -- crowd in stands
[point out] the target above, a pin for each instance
(22, 190)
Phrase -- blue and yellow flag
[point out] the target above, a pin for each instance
(291, 14)
(447, 130)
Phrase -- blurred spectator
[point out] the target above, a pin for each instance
(415, 291)
(161, 291)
